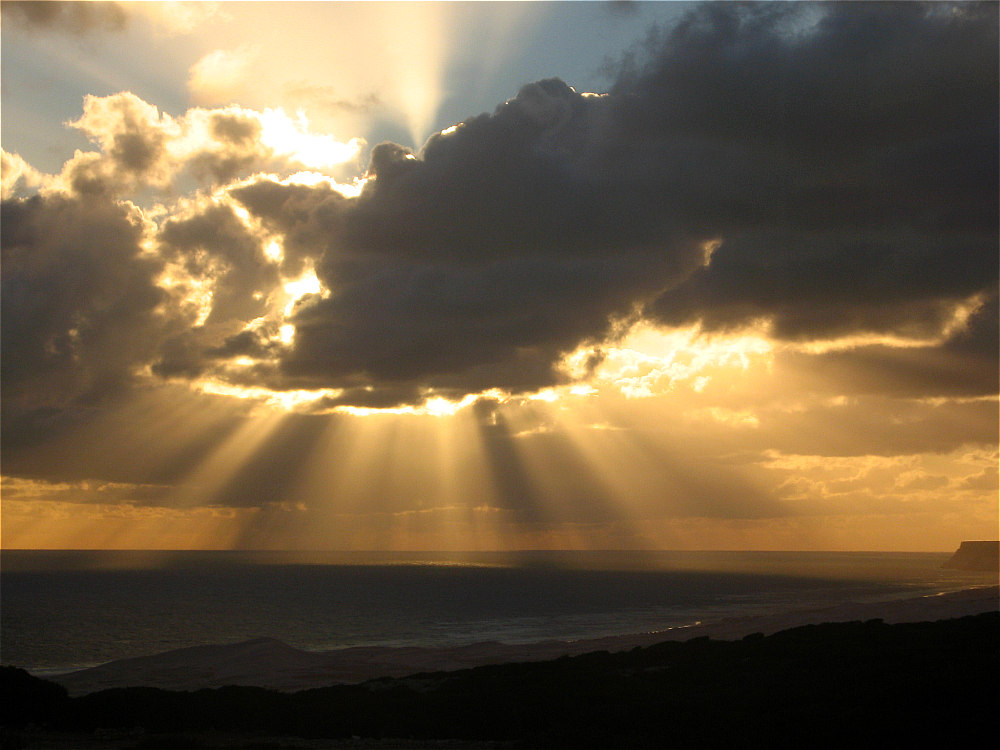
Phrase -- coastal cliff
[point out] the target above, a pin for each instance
(975, 556)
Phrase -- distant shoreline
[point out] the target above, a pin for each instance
(272, 664)
(98, 559)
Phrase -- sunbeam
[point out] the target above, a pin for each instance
(498, 275)
(202, 485)
(346, 341)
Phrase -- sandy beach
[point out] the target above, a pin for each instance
(272, 664)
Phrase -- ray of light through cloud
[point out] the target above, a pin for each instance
(500, 276)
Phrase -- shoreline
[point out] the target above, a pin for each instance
(269, 663)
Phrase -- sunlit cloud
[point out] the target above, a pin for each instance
(174, 17)
(641, 317)
(291, 137)
(648, 360)
(280, 401)
(435, 406)
(732, 417)
(142, 148)
(221, 76)
(47, 524)
(193, 293)
(350, 189)
(18, 177)
(295, 289)
(86, 491)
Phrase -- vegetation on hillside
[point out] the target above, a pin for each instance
(834, 685)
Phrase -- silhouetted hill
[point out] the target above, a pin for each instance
(836, 685)
(975, 556)
(268, 663)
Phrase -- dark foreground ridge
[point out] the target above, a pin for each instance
(858, 684)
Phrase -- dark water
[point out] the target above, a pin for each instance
(66, 610)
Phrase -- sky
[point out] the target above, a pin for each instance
(498, 276)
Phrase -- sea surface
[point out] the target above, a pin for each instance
(66, 610)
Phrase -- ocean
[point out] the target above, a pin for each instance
(66, 610)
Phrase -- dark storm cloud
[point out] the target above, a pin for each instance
(477, 264)
(72, 17)
(845, 155)
(306, 217)
(80, 315)
(965, 366)
(192, 352)
(837, 283)
(850, 169)
(79, 300)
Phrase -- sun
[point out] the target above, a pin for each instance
(290, 136)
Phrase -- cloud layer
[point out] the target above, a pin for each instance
(828, 172)
(845, 166)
